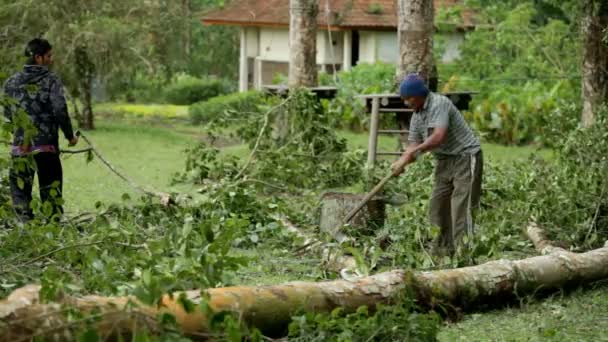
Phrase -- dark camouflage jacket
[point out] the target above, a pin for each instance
(40, 93)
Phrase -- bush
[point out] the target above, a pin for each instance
(527, 113)
(522, 79)
(397, 322)
(186, 90)
(346, 111)
(204, 112)
(141, 88)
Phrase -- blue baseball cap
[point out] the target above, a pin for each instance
(413, 85)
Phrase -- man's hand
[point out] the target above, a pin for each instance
(73, 141)
(399, 166)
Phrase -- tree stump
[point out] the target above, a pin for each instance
(336, 205)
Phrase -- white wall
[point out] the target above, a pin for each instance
(452, 46)
(274, 45)
(330, 52)
(367, 46)
(387, 47)
(384, 46)
(252, 41)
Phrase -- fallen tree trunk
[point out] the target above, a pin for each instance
(270, 307)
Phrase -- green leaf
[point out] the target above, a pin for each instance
(89, 156)
(146, 277)
(89, 336)
(254, 238)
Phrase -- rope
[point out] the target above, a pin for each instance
(164, 197)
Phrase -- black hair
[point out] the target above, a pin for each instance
(36, 47)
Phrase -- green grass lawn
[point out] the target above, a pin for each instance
(578, 316)
(148, 154)
(165, 111)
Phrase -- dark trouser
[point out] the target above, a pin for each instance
(50, 181)
(456, 196)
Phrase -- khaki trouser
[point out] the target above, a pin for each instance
(455, 197)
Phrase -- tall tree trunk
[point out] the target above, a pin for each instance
(85, 71)
(595, 58)
(415, 31)
(187, 10)
(270, 308)
(303, 43)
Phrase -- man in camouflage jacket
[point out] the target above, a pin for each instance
(39, 93)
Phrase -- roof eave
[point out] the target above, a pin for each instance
(224, 22)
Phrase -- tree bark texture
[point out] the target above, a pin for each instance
(85, 71)
(187, 11)
(415, 31)
(303, 43)
(335, 206)
(270, 307)
(595, 58)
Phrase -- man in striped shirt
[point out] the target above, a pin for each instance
(438, 127)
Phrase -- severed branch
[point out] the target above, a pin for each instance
(260, 135)
(333, 260)
(541, 244)
(31, 261)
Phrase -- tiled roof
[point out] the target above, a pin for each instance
(378, 14)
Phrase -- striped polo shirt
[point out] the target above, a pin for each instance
(439, 111)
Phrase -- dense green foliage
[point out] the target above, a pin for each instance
(387, 323)
(309, 156)
(186, 90)
(144, 249)
(238, 104)
(346, 110)
(140, 248)
(125, 50)
(524, 60)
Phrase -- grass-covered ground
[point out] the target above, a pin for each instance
(150, 151)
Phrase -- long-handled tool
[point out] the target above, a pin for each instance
(338, 236)
(341, 237)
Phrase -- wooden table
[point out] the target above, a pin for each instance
(322, 92)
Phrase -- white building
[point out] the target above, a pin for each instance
(349, 32)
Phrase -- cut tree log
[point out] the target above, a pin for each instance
(270, 307)
(335, 207)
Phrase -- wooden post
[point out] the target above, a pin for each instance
(243, 65)
(373, 133)
(257, 73)
(347, 62)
